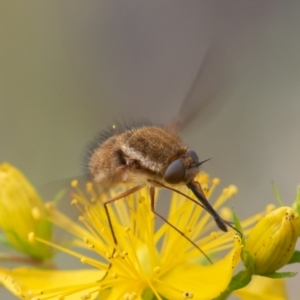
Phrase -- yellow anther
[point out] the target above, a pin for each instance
(31, 237)
(83, 260)
(89, 186)
(216, 181)
(49, 205)
(74, 201)
(36, 213)
(74, 183)
(233, 189)
(226, 213)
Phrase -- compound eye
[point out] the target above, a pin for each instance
(193, 155)
(175, 172)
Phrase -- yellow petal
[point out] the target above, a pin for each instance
(50, 284)
(263, 288)
(22, 211)
(205, 282)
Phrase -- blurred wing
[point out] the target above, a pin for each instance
(213, 76)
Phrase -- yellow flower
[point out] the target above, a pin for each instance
(263, 288)
(272, 241)
(22, 212)
(146, 262)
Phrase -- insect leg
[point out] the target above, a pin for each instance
(152, 201)
(113, 199)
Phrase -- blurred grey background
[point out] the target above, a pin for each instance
(71, 68)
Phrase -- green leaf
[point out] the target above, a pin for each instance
(59, 195)
(4, 241)
(295, 258)
(148, 295)
(238, 226)
(238, 281)
(248, 261)
(281, 275)
(277, 195)
(296, 204)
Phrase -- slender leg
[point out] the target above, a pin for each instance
(113, 199)
(152, 199)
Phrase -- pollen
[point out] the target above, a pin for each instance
(157, 270)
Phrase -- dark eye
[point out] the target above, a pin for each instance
(175, 172)
(193, 155)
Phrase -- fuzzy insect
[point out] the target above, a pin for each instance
(153, 156)
(150, 155)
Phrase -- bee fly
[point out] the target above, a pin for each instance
(153, 156)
